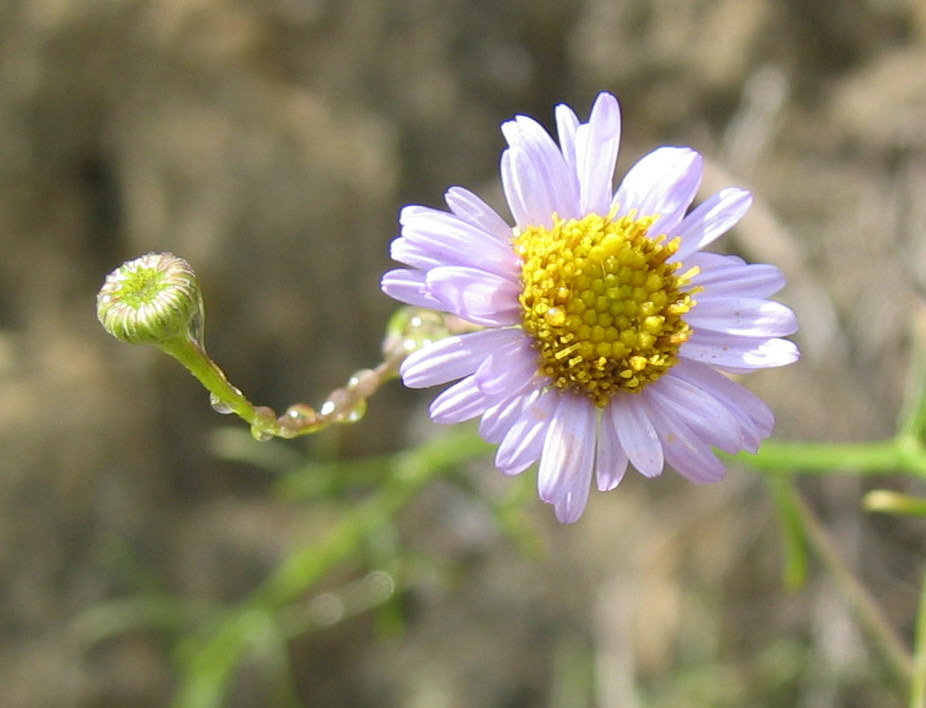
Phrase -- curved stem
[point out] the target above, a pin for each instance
(408, 330)
(195, 359)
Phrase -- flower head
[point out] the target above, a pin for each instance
(607, 331)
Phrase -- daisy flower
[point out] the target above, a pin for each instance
(606, 332)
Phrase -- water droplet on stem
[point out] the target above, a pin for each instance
(260, 435)
(218, 405)
(357, 412)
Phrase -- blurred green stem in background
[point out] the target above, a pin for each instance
(208, 658)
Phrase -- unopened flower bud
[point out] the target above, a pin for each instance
(152, 299)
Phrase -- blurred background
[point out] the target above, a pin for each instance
(271, 143)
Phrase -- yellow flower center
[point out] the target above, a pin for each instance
(602, 303)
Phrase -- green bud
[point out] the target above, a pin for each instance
(151, 300)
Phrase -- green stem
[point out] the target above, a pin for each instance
(408, 330)
(901, 454)
(193, 356)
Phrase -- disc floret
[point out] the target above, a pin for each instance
(603, 303)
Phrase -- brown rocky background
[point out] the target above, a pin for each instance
(271, 143)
